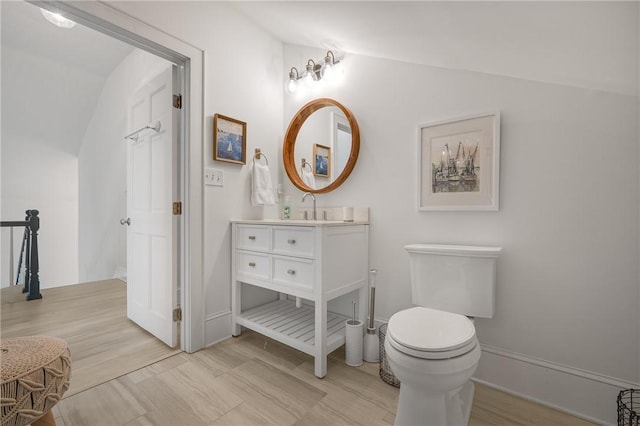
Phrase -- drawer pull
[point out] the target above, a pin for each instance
(252, 237)
(252, 264)
(291, 271)
(291, 241)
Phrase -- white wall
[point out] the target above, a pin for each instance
(39, 164)
(568, 279)
(102, 170)
(243, 79)
(52, 190)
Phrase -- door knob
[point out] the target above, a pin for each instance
(126, 221)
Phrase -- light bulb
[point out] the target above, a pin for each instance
(327, 71)
(57, 19)
(309, 78)
(291, 86)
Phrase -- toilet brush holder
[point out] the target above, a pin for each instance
(371, 340)
(371, 345)
(353, 343)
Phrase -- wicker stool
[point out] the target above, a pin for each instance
(35, 374)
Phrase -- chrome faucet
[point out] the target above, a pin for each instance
(314, 203)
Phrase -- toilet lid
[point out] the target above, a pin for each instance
(424, 329)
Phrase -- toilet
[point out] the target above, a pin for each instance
(432, 348)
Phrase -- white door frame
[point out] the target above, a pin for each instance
(121, 26)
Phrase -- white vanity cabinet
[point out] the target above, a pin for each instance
(312, 260)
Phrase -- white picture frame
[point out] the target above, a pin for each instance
(459, 164)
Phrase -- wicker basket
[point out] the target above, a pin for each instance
(629, 407)
(385, 371)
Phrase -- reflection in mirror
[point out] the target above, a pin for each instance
(342, 142)
(321, 146)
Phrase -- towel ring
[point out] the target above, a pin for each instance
(259, 154)
(305, 163)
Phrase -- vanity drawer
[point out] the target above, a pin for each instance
(298, 272)
(253, 237)
(294, 240)
(256, 265)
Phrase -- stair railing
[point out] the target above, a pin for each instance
(28, 251)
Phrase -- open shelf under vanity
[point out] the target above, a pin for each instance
(283, 321)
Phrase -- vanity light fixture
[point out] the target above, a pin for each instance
(314, 72)
(57, 19)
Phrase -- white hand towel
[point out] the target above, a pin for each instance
(308, 178)
(261, 189)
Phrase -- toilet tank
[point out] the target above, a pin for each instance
(460, 279)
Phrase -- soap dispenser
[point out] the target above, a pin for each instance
(286, 207)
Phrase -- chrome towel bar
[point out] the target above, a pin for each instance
(134, 135)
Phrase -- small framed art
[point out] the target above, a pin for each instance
(321, 160)
(229, 139)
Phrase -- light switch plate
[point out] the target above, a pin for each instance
(213, 177)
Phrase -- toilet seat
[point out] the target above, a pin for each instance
(430, 333)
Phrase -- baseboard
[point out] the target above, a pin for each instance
(584, 394)
(120, 273)
(217, 327)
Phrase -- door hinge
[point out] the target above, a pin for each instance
(177, 314)
(177, 208)
(177, 101)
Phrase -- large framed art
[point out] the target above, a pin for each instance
(459, 163)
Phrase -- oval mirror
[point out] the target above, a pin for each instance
(321, 146)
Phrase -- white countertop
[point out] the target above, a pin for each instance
(297, 222)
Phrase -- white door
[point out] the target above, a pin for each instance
(151, 234)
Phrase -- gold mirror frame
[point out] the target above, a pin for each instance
(290, 142)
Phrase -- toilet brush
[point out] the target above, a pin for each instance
(371, 341)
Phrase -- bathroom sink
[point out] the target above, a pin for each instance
(304, 222)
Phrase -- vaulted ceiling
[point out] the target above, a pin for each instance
(590, 44)
(51, 77)
(48, 72)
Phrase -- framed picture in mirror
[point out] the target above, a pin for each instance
(229, 139)
(321, 160)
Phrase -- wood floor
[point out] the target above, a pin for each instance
(121, 375)
(92, 318)
(253, 380)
